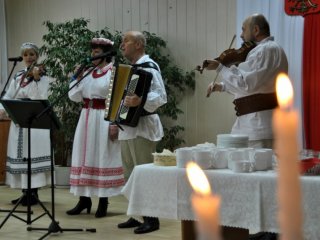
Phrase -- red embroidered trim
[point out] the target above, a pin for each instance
(98, 183)
(104, 71)
(93, 171)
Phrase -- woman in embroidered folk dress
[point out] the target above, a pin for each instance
(96, 160)
(31, 84)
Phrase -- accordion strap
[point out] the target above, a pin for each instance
(147, 65)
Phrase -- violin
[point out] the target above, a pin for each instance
(34, 66)
(235, 56)
(231, 56)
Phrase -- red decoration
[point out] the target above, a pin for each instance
(310, 166)
(301, 7)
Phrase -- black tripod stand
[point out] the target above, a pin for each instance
(36, 114)
(2, 94)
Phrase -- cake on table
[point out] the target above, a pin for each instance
(165, 158)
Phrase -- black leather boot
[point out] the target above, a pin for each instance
(84, 203)
(33, 197)
(15, 201)
(150, 224)
(102, 207)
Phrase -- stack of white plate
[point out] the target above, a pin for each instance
(232, 140)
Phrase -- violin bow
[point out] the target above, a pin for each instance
(216, 77)
(234, 38)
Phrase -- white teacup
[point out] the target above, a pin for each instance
(237, 155)
(262, 159)
(203, 158)
(220, 158)
(183, 156)
(271, 154)
(242, 166)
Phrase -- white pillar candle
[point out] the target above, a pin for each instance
(285, 126)
(205, 205)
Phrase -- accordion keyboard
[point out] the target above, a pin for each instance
(129, 91)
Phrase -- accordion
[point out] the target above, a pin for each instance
(125, 81)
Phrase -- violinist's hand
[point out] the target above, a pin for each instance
(210, 64)
(213, 87)
(36, 73)
(113, 132)
(132, 101)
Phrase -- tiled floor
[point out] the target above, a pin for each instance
(106, 227)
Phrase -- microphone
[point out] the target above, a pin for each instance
(80, 69)
(107, 54)
(89, 60)
(15, 59)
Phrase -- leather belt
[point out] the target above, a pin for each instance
(94, 103)
(255, 103)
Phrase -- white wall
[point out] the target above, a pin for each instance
(194, 30)
(3, 45)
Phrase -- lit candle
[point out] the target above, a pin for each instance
(285, 126)
(205, 205)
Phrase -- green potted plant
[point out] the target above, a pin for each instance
(66, 44)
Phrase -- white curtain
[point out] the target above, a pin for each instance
(3, 45)
(288, 32)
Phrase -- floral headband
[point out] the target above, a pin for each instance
(29, 45)
(101, 41)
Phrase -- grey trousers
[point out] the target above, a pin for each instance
(135, 152)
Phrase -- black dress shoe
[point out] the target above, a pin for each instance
(150, 224)
(263, 236)
(130, 223)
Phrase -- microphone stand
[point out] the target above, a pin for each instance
(4, 89)
(54, 226)
(64, 94)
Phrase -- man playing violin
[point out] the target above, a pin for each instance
(252, 82)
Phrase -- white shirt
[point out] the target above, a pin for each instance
(150, 126)
(34, 90)
(256, 75)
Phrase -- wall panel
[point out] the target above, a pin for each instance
(194, 30)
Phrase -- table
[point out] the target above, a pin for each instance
(248, 199)
(4, 132)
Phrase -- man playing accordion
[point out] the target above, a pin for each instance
(138, 143)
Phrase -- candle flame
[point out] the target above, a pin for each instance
(198, 179)
(284, 91)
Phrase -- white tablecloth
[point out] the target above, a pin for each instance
(248, 199)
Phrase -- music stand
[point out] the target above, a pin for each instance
(36, 114)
